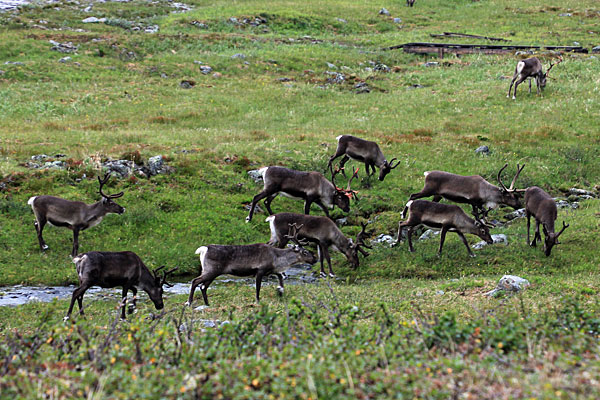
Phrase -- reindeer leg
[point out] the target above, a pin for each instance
(511, 85)
(409, 235)
(464, 240)
(530, 84)
(442, 238)
(338, 152)
(77, 293)
(124, 301)
(519, 81)
(259, 276)
(328, 258)
(321, 257)
(132, 307)
(537, 237)
(343, 161)
(80, 304)
(75, 241)
(39, 227)
(528, 215)
(195, 282)
(268, 201)
(255, 200)
(280, 287)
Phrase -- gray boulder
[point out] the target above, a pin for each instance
(123, 168)
(384, 11)
(483, 150)
(383, 239)
(520, 213)
(499, 238)
(596, 49)
(509, 283)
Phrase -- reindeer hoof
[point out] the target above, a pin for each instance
(280, 290)
(131, 309)
(187, 304)
(472, 255)
(322, 275)
(65, 319)
(45, 247)
(332, 275)
(247, 219)
(514, 98)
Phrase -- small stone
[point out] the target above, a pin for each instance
(362, 87)
(499, 238)
(185, 84)
(205, 69)
(428, 234)
(64, 60)
(416, 86)
(596, 49)
(335, 77)
(233, 20)
(123, 168)
(341, 221)
(39, 157)
(285, 79)
(198, 62)
(520, 213)
(384, 239)
(239, 55)
(199, 24)
(439, 292)
(384, 11)
(483, 150)
(397, 20)
(565, 15)
(151, 29)
(54, 165)
(431, 64)
(331, 66)
(576, 44)
(523, 53)
(14, 63)
(509, 283)
(381, 67)
(93, 20)
(217, 75)
(581, 192)
(343, 21)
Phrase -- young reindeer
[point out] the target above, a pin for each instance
(313, 187)
(447, 217)
(258, 260)
(473, 190)
(320, 230)
(363, 151)
(530, 68)
(74, 215)
(543, 208)
(110, 269)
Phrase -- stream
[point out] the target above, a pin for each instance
(18, 295)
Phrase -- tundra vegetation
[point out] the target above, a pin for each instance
(404, 325)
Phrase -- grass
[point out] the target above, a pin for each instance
(119, 97)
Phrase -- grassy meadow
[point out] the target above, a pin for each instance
(402, 325)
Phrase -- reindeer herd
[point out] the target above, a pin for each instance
(126, 269)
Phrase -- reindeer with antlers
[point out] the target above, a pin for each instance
(110, 269)
(312, 187)
(543, 208)
(322, 231)
(531, 68)
(74, 215)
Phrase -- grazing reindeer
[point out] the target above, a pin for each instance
(543, 208)
(363, 151)
(530, 68)
(74, 215)
(410, 3)
(313, 187)
(110, 269)
(473, 190)
(447, 217)
(258, 260)
(321, 230)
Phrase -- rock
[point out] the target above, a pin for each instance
(565, 15)
(54, 165)
(39, 157)
(431, 64)
(200, 308)
(285, 79)
(92, 20)
(483, 150)
(67, 47)
(596, 49)
(2, 72)
(205, 69)
(199, 24)
(523, 53)
(384, 11)
(439, 292)
(151, 29)
(499, 238)
(341, 221)
(156, 165)
(416, 86)
(381, 67)
(576, 44)
(13, 63)
(335, 77)
(581, 192)
(331, 66)
(397, 20)
(185, 84)
(574, 198)
(362, 87)
(65, 60)
(217, 75)
(233, 20)
(384, 239)
(255, 175)
(342, 20)
(428, 234)
(509, 283)
(198, 62)
(123, 168)
(520, 213)
(239, 55)
(566, 204)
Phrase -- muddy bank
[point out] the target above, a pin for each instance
(18, 295)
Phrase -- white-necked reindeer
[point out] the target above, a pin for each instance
(74, 215)
(543, 208)
(258, 260)
(530, 68)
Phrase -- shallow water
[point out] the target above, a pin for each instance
(19, 295)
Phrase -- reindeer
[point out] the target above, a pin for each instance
(543, 208)
(530, 68)
(447, 217)
(410, 3)
(110, 269)
(320, 230)
(258, 260)
(363, 151)
(313, 187)
(74, 215)
(473, 190)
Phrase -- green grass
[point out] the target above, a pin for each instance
(124, 97)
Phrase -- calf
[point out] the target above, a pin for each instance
(447, 217)
(258, 260)
(110, 269)
(543, 208)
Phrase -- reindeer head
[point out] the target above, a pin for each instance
(386, 168)
(305, 256)
(341, 197)
(543, 76)
(109, 205)
(156, 292)
(552, 238)
(483, 231)
(510, 196)
(356, 247)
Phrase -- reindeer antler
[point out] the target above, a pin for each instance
(565, 226)
(360, 240)
(512, 184)
(392, 161)
(102, 182)
(560, 59)
(293, 233)
(165, 274)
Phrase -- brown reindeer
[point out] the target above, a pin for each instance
(530, 68)
(543, 208)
